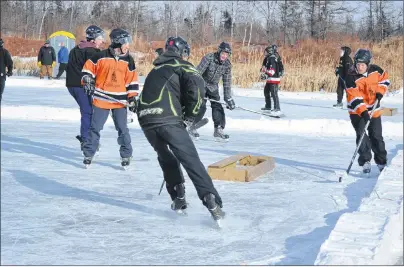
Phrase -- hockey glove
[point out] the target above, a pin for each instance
(379, 96)
(39, 64)
(263, 76)
(10, 73)
(365, 116)
(53, 64)
(132, 104)
(89, 85)
(230, 103)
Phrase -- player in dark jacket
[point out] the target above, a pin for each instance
(95, 37)
(171, 98)
(213, 67)
(271, 72)
(345, 63)
(5, 62)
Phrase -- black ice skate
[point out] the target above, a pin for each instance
(87, 161)
(266, 109)
(338, 105)
(125, 163)
(179, 204)
(220, 135)
(367, 167)
(214, 208)
(381, 167)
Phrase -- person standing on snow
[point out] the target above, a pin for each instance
(213, 67)
(95, 37)
(111, 72)
(345, 63)
(46, 60)
(365, 83)
(271, 72)
(170, 101)
(63, 58)
(5, 62)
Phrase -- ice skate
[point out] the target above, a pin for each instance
(214, 209)
(220, 135)
(381, 167)
(125, 162)
(367, 167)
(179, 204)
(276, 112)
(338, 105)
(87, 162)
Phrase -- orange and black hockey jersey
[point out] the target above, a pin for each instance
(114, 76)
(361, 89)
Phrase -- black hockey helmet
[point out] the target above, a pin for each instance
(362, 56)
(224, 47)
(346, 49)
(119, 37)
(272, 49)
(179, 46)
(93, 32)
(1, 42)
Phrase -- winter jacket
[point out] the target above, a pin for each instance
(172, 90)
(115, 76)
(63, 55)
(46, 55)
(272, 66)
(212, 70)
(77, 57)
(345, 63)
(362, 88)
(5, 62)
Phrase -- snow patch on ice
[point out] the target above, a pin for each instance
(373, 234)
(318, 127)
(391, 97)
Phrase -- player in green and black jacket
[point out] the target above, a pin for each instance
(171, 98)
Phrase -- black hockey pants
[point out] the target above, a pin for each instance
(174, 147)
(371, 141)
(271, 90)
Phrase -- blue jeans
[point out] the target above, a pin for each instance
(85, 103)
(98, 119)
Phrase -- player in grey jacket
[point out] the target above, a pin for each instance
(212, 67)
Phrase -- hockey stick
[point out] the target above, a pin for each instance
(111, 98)
(161, 187)
(245, 109)
(360, 141)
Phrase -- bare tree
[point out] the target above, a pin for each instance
(267, 9)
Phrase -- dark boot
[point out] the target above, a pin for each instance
(179, 202)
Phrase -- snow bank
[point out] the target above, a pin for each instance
(373, 235)
(318, 127)
(391, 97)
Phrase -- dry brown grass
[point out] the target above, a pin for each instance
(309, 66)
